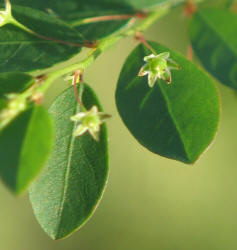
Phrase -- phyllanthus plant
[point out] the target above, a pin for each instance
(60, 154)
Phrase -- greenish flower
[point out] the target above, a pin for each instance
(6, 15)
(89, 121)
(158, 67)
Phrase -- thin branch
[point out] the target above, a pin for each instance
(104, 45)
(139, 36)
(78, 74)
(87, 44)
(140, 15)
(189, 53)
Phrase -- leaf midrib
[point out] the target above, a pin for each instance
(67, 172)
(179, 132)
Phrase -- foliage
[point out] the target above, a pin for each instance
(168, 104)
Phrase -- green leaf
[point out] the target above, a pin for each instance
(98, 30)
(214, 40)
(74, 12)
(21, 51)
(14, 82)
(51, 41)
(68, 190)
(227, 3)
(24, 148)
(73, 9)
(3, 104)
(46, 25)
(217, 3)
(177, 120)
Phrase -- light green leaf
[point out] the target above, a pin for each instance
(214, 40)
(24, 148)
(177, 120)
(217, 3)
(14, 82)
(69, 188)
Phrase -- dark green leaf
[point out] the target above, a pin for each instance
(3, 104)
(74, 12)
(46, 25)
(67, 192)
(214, 40)
(51, 41)
(21, 51)
(24, 148)
(177, 120)
(84, 8)
(98, 30)
(14, 82)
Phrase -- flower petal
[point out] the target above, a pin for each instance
(152, 79)
(80, 130)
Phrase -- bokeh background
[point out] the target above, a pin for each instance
(151, 203)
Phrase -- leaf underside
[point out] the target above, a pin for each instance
(69, 188)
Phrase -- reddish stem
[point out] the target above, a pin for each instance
(114, 17)
(190, 53)
(190, 8)
(142, 40)
(78, 74)
(87, 44)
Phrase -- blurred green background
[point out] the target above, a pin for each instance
(151, 203)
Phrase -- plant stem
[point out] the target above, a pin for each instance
(108, 18)
(44, 82)
(75, 78)
(104, 45)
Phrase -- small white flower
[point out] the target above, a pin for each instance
(6, 15)
(158, 66)
(89, 121)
